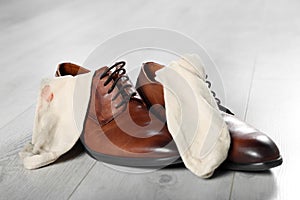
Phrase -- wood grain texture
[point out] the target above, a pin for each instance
(272, 108)
(56, 181)
(273, 103)
(115, 182)
(255, 45)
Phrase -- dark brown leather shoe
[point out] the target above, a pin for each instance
(118, 128)
(251, 150)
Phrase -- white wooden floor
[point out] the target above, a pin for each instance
(256, 45)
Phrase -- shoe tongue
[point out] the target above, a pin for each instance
(102, 106)
(126, 91)
(105, 103)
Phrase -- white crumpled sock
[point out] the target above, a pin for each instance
(59, 118)
(193, 117)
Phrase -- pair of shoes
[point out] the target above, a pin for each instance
(111, 133)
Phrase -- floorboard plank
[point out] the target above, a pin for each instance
(56, 181)
(34, 40)
(271, 108)
(111, 182)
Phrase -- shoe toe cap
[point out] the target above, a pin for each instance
(254, 148)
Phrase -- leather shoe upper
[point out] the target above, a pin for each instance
(248, 145)
(118, 122)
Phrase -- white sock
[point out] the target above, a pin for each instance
(193, 117)
(59, 118)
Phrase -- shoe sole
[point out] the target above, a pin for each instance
(252, 167)
(132, 162)
(162, 162)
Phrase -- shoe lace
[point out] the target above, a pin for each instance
(222, 108)
(119, 74)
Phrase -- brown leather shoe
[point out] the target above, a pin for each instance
(118, 128)
(251, 150)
